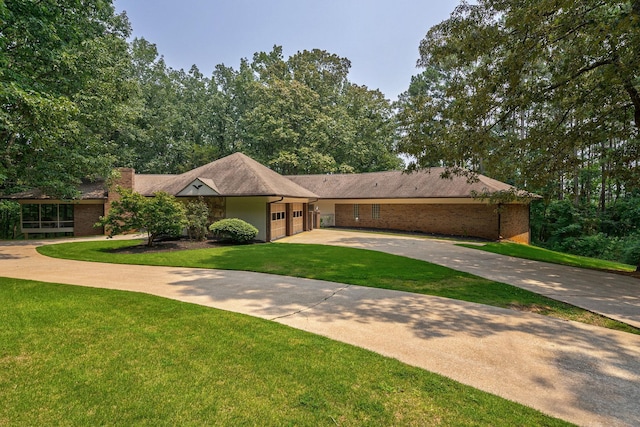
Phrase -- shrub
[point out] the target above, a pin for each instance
(159, 215)
(9, 219)
(631, 251)
(197, 219)
(233, 230)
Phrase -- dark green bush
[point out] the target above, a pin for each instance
(197, 219)
(233, 230)
(9, 219)
(631, 251)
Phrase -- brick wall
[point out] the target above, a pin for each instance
(514, 221)
(84, 216)
(474, 220)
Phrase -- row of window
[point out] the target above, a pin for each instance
(275, 216)
(375, 212)
(47, 216)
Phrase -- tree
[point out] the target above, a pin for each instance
(304, 116)
(544, 94)
(544, 82)
(64, 91)
(159, 215)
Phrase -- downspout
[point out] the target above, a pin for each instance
(499, 221)
(529, 223)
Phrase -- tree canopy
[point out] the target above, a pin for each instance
(300, 115)
(64, 91)
(534, 92)
(78, 99)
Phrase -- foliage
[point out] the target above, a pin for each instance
(342, 265)
(65, 91)
(85, 356)
(197, 213)
(584, 230)
(540, 94)
(300, 115)
(233, 230)
(9, 219)
(159, 215)
(631, 250)
(545, 255)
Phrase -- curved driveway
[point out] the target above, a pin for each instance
(584, 374)
(613, 295)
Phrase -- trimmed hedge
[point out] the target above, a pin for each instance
(233, 230)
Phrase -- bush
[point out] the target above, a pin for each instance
(233, 230)
(631, 251)
(197, 219)
(159, 215)
(9, 219)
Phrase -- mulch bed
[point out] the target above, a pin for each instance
(170, 246)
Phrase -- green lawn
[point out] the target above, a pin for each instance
(81, 356)
(539, 254)
(344, 265)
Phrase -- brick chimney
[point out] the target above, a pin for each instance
(125, 180)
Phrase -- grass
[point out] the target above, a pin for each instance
(343, 265)
(81, 356)
(539, 254)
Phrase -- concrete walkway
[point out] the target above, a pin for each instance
(613, 295)
(587, 375)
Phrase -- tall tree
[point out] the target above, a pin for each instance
(64, 91)
(305, 116)
(534, 86)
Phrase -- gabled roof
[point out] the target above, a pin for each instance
(234, 175)
(398, 185)
(200, 187)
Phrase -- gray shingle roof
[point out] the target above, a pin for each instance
(397, 185)
(95, 190)
(234, 175)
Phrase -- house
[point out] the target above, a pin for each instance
(421, 201)
(237, 186)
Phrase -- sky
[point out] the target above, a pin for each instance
(379, 37)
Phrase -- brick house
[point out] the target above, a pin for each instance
(237, 186)
(420, 201)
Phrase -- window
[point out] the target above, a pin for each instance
(30, 216)
(356, 212)
(47, 217)
(375, 211)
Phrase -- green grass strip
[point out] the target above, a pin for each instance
(343, 265)
(79, 356)
(540, 254)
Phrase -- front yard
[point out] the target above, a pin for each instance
(80, 356)
(338, 264)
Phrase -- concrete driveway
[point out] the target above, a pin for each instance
(584, 374)
(613, 295)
